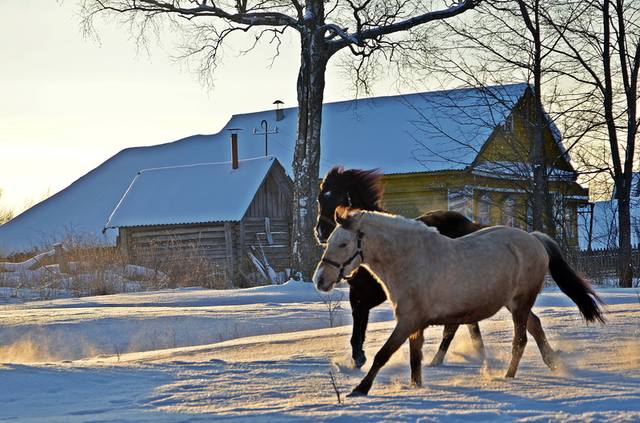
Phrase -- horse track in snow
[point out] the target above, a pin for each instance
(266, 353)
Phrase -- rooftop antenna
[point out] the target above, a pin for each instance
(266, 132)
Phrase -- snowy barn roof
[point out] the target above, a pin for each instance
(422, 132)
(198, 193)
(432, 131)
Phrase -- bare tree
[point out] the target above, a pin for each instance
(325, 27)
(5, 214)
(601, 39)
(333, 303)
(508, 40)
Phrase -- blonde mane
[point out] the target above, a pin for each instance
(393, 222)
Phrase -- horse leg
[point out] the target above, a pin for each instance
(476, 339)
(447, 336)
(520, 316)
(397, 338)
(365, 293)
(549, 356)
(416, 340)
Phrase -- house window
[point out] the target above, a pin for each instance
(461, 200)
(569, 218)
(508, 124)
(560, 215)
(484, 210)
(529, 222)
(508, 212)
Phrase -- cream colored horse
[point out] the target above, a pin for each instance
(431, 279)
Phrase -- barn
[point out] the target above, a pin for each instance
(218, 211)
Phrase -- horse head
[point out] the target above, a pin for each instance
(343, 253)
(356, 188)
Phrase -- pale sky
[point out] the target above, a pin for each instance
(68, 103)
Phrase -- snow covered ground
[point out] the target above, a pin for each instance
(266, 353)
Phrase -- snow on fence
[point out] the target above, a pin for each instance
(30, 264)
(62, 273)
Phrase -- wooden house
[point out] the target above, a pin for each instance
(489, 179)
(217, 211)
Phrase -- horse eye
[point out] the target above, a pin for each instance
(327, 194)
(344, 244)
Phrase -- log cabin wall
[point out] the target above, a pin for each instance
(149, 245)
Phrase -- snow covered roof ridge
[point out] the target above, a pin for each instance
(223, 163)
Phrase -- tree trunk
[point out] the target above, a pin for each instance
(306, 159)
(621, 172)
(540, 198)
(625, 266)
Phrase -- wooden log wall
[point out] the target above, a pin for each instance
(253, 232)
(149, 244)
(225, 243)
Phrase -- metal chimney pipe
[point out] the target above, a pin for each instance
(234, 151)
(234, 147)
(279, 111)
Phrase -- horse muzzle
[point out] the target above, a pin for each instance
(322, 283)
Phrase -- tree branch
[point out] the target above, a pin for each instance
(376, 32)
(264, 18)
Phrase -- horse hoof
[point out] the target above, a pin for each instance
(356, 393)
(359, 361)
(435, 363)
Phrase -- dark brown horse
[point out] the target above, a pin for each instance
(362, 189)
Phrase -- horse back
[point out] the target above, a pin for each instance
(477, 274)
(450, 223)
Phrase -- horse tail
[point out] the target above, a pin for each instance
(569, 282)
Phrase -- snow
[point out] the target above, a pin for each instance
(266, 353)
(399, 134)
(196, 193)
(518, 170)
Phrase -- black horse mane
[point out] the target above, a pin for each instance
(364, 186)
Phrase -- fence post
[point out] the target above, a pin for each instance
(61, 258)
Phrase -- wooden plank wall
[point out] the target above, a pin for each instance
(274, 196)
(226, 244)
(147, 244)
(279, 252)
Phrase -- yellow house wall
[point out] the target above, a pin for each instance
(515, 145)
(412, 195)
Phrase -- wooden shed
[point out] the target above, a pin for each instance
(214, 211)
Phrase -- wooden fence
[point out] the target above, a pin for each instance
(601, 266)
